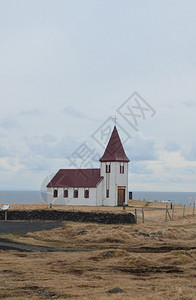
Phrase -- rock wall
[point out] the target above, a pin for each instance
(107, 218)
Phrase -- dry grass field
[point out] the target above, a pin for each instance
(150, 261)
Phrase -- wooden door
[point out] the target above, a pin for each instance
(121, 196)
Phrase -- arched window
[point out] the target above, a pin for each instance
(65, 193)
(75, 193)
(86, 194)
(55, 194)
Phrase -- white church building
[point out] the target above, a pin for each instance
(107, 186)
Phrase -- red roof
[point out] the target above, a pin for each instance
(76, 178)
(114, 150)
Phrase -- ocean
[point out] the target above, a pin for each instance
(186, 198)
(22, 197)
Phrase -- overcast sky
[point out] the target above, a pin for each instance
(67, 66)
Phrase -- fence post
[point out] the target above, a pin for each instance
(173, 212)
(166, 209)
(136, 216)
(142, 215)
(193, 208)
(183, 211)
(5, 215)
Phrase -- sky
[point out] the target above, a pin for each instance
(67, 68)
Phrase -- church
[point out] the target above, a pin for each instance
(106, 186)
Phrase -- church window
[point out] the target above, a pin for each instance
(75, 193)
(65, 193)
(55, 193)
(86, 194)
(108, 169)
(107, 193)
(122, 169)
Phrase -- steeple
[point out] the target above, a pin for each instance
(114, 150)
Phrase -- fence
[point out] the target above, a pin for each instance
(171, 217)
(170, 213)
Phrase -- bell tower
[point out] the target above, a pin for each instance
(114, 169)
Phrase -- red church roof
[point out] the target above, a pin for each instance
(114, 150)
(76, 178)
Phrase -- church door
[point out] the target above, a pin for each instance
(121, 196)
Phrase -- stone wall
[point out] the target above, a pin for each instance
(107, 218)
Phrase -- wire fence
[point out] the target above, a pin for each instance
(169, 212)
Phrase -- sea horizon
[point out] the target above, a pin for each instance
(12, 196)
(133, 191)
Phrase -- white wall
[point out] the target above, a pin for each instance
(91, 201)
(113, 180)
(99, 192)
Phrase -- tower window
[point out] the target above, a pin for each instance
(55, 193)
(65, 193)
(108, 169)
(86, 194)
(107, 193)
(75, 193)
(122, 169)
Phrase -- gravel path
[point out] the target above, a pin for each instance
(24, 227)
(6, 244)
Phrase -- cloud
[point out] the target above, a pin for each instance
(31, 113)
(171, 171)
(12, 147)
(189, 103)
(189, 153)
(10, 165)
(69, 110)
(7, 123)
(37, 153)
(190, 170)
(35, 164)
(5, 150)
(50, 147)
(140, 168)
(48, 138)
(171, 146)
(72, 112)
(141, 148)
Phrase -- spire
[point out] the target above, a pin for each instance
(114, 150)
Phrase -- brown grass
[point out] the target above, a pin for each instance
(155, 260)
